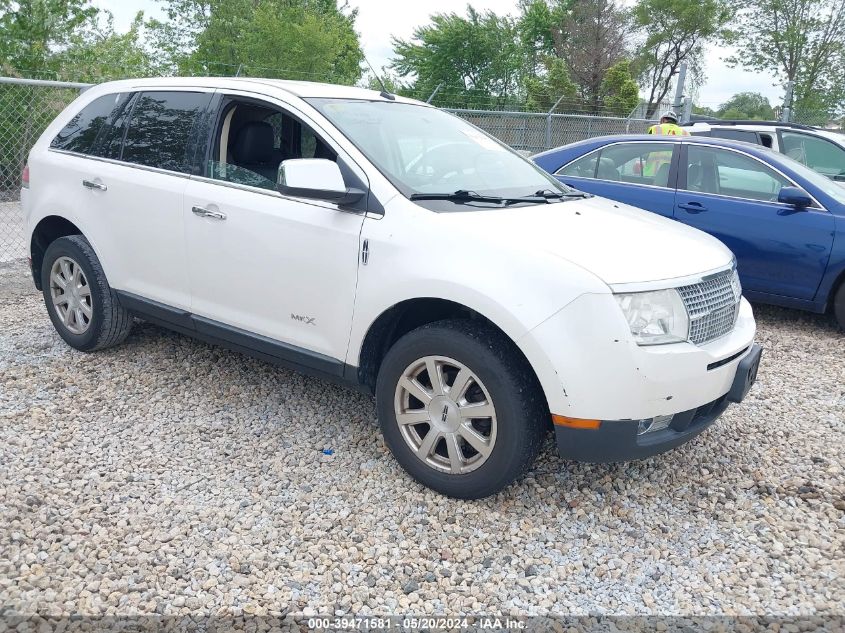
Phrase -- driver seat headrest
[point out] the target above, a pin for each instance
(254, 143)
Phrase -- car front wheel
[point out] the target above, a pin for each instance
(460, 408)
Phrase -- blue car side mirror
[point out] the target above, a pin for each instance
(795, 196)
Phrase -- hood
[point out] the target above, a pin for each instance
(618, 243)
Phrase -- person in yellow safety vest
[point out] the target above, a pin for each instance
(668, 125)
(652, 169)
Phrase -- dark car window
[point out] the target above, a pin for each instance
(819, 154)
(110, 138)
(736, 135)
(727, 173)
(82, 130)
(160, 129)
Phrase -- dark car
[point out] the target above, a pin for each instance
(784, 222)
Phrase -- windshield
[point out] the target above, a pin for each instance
(423, 150)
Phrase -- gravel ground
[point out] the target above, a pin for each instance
(169, 476)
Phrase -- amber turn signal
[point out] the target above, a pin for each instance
(575, 423)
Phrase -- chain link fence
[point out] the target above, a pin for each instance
(28, 106)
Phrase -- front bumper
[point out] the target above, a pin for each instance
(617, 440)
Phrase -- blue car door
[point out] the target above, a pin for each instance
(732, 195)
(639, 173)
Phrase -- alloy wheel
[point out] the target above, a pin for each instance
(445, 414)
(71, 295)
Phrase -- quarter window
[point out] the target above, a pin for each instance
(711, 170)
(81, 131)
(160, 129)
(818, 154)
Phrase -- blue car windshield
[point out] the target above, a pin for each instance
(423, 150)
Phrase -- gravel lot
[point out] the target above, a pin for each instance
(170, 476)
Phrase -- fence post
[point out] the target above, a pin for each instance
(549, 123)
(434, 93)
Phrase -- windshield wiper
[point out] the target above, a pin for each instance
(549, 194)
(464, 195)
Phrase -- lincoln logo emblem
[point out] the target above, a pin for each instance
(445, 413)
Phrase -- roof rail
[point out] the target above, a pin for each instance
(797, 126)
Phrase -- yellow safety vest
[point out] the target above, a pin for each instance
(669, 129)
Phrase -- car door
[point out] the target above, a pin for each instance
(267, 271)
(639, 173)
(134, 193)
(732, 195)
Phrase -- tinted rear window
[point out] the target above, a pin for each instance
(81, 132)
(737, 135)
(160, 129)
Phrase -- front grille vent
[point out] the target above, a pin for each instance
(712, 305)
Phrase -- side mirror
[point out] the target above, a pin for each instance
(315, 178)
(795, 196)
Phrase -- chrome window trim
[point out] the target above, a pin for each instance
(617, 182)
(123, 163)
(816, 204)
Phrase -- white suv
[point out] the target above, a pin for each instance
(820, 150)
(387, 244)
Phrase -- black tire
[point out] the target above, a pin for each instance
(839, 306)
(521, 410)
(109, 323)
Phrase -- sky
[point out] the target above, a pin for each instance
(379, 20)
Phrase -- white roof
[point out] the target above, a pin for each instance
(297, 88)
(836, 137)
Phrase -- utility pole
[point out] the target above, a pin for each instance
(786, 113)
(679, 87)
(687, 110)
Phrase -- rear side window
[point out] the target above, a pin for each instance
(160, 127)
(737, 135)
(81, 132)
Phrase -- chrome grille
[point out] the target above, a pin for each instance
(713, 306)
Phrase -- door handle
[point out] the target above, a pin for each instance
(90, 184)
(208, 213)
(692, 207)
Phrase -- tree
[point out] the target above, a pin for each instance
(476, 60)
(551, 88)
(32, 31)
(746, 105)
(620, 93)
(591, 39)
(290, 39)
(675, 32)
(802, 41)
(96, 52)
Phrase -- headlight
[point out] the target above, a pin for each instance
(655, 317)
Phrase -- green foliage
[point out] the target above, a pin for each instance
(544, 91)
(33, 31)
(675, 31)
(746, 105)
(474, 58)
(620, 92)
(796, 40)
(289, 39)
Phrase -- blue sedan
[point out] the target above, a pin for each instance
(784, 222)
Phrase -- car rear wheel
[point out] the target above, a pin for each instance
(460, 409)
(839, 306)
(83, 308)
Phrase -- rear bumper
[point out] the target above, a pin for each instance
(618, 441)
